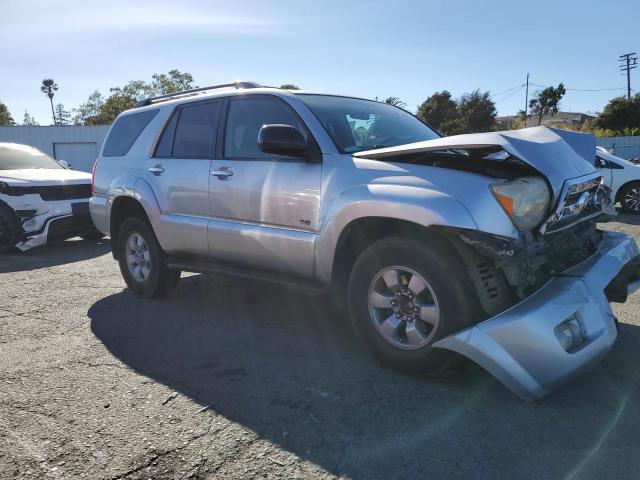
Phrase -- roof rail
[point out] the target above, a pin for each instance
(237, 84)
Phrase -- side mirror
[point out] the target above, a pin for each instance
(64, 164)
(284, 140)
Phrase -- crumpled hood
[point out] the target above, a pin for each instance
(43, 177)
(557, 154)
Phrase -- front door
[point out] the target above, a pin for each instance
(265, 208)
(179, 176)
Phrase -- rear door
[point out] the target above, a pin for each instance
(178, 173)
(265, 207)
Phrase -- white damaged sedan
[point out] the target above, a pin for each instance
(40, 200)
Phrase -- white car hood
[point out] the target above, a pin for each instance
(557, 154)
(43, 177)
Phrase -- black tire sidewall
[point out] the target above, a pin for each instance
(457, 301)
(9, 214)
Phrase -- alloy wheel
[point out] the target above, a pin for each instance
(403, 307)
(138, 257)
(632, 199)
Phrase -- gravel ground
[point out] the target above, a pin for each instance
(237, 379)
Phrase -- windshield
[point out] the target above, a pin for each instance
(355, 125)
(16, 157)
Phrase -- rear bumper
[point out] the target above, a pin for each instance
(520, 346)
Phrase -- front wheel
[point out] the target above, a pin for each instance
(404, 295)
(630, 198)
(141, 260)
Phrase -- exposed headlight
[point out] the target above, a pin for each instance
(525, 200)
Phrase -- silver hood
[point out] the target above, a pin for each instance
(557, 154)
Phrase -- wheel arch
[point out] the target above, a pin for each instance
(364, 231)
(124, 207)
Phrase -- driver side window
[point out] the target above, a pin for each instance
(245, 119)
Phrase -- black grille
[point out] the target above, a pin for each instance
(573, 244)
(65, 192)
(52, 193)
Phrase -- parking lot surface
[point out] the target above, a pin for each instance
(238, 379)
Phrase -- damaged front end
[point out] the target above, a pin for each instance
(542, 270)
(46, 213)
(547, 293)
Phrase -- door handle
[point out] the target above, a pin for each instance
(223, 173)
(157, 170)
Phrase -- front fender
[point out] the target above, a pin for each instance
(417, 205)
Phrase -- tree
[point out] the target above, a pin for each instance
(88, 113)
(439, 111)
(395, 101)
(49, 87)
(5, 117)
(99, 111)
(115, 104)
(171, 82)
(620, 114)
(289, 86)
(477, 112)
(63, 116)
(28, 120)
(547, 101)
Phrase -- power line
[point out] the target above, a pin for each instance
(511, 94)
(507, 90)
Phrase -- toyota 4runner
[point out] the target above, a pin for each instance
(483, 245)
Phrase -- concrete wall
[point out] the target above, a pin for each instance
(78, 145)
(625, 147)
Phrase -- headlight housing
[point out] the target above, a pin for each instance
(526, 200)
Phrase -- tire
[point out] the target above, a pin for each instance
(630, 198)
(153, 279)
(442, 295)
(9, 229)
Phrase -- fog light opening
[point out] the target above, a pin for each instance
(570, 333)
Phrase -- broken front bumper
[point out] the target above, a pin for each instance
(521, 346)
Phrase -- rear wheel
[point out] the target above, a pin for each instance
(9, 229)
(142, 261)
(404, 295)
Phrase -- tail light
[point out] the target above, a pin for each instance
(93, 175)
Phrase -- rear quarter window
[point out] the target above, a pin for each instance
(125, 132)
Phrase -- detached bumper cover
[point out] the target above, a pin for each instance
(519, 346)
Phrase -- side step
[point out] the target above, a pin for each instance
(199, 265)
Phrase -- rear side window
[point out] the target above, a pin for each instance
(125, 132)
(190, 133)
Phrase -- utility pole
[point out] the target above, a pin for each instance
(628, 62)
(526, 102)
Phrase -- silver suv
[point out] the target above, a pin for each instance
(483, 245)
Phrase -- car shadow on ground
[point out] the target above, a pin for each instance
(283, 365)
(58, 253)
(629, 218)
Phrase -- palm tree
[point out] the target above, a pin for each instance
(48, 87)
(395, 101)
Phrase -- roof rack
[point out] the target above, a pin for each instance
(237, 84)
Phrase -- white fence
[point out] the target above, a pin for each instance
(625, 147)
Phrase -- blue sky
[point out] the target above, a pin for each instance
(408, 49)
